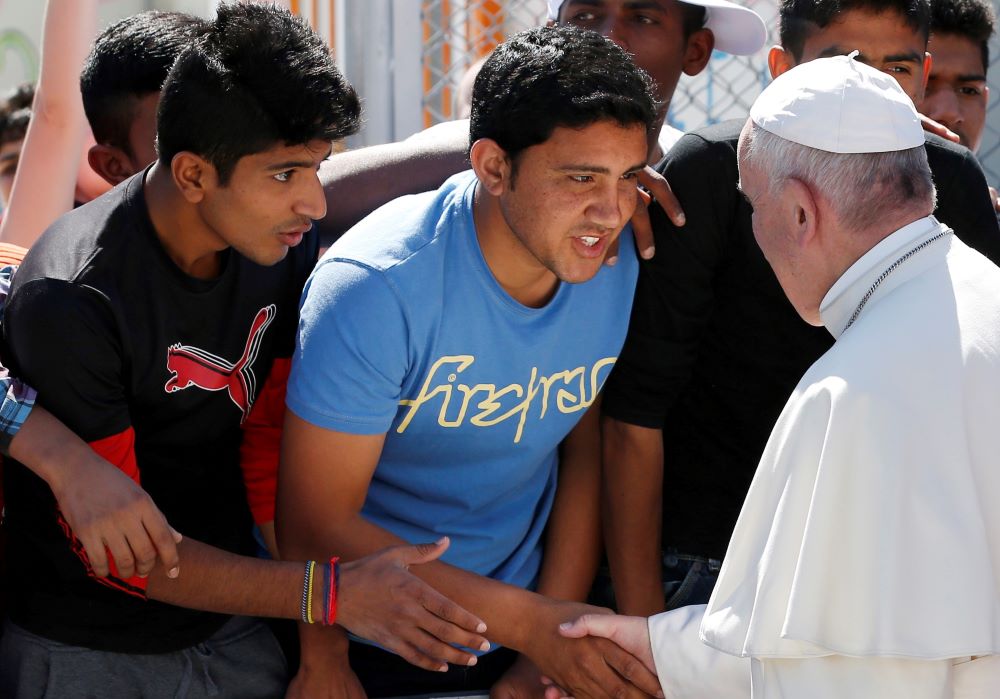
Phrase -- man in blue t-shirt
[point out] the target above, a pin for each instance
(449, 344)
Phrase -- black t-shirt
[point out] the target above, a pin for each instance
(115, 337)
(715, 348)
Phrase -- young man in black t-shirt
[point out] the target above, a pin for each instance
(714, 347)
(155, 322)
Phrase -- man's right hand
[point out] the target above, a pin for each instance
(381, 600)
(110, 514)
(587, 667)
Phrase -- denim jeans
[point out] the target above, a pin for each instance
(687, 579)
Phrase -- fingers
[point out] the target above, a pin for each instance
(458, 625)
(94, 547)
(413, 655)
(660, 189)
(120, 554)
(600, 625)
(422, 553)
(164, 539)
(642, 229)
(633, 670)
(450, 622)
(612, 257)
(141, 546)
(939, 129)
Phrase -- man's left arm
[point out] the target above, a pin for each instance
(572, 537)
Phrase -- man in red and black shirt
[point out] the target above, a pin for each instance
(156, 322)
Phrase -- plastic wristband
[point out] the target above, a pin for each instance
(331, 600)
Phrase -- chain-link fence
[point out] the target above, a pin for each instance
(456, 33)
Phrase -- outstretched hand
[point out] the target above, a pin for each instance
(381, 600)
(653, 186)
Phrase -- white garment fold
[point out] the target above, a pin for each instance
(872, 526)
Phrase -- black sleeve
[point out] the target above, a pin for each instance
(963, 197)
(61, 339)
(675, 290)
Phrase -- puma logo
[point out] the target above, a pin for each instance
(191, 366)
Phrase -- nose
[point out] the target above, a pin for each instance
(615, 30)
(311, 202)
(942, 106)
(612, 205)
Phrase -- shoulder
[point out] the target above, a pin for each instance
(405, 229)
(95, 236)
(706, 154)
(949, 160)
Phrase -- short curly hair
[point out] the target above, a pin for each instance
(970, 19)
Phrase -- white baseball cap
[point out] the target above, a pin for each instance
(839, 105)
(738, 30)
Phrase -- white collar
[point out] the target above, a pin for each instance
(844, 297)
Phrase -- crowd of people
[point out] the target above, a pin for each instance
(559, 360)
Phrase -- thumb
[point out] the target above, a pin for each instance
(601, 625)
(424, 553)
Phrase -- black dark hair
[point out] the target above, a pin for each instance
(799, 19)
(15, 112)
(692, 18)
(970, 19)
(547, 77)
(129, 61)
(259, 77)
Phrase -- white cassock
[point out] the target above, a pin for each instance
(866, 559)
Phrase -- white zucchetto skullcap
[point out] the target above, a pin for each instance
(839, 105)
(738, 30)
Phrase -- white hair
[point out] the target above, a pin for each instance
(857, 185)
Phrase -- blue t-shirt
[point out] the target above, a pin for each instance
(404, 330)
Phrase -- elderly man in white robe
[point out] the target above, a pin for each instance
(866, 561)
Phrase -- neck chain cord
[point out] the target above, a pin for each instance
(889, 270)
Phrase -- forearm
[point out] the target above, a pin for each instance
(505, 609)
(573, 534)
(632, 504)
(218, 581)
(46, 177)
(49, 448)
(359, 181)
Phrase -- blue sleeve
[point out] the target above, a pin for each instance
(18, 398)
(351, 352)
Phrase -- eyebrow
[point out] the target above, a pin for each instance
(835, 50)
(289, 164)
(597, 169)
(972, 78)
(632, 5)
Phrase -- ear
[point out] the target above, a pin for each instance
(799, 205)
(111, 163)
(193, 175)
(779, 60)
(491, 165)
(928, 61)
(698, 51)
